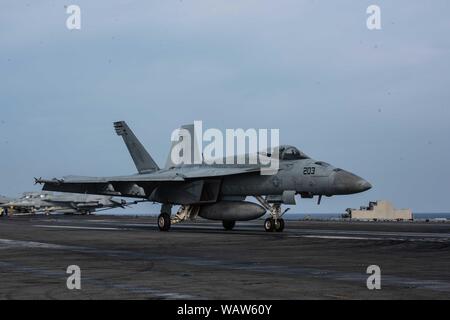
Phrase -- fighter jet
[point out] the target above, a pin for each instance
(48, 202)
(217, 191)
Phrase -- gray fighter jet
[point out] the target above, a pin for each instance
(48, 202)
(217, 191)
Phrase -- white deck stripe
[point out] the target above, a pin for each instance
(77, 227)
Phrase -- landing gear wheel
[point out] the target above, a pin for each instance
(279, 225)
(228, 225)
(269, 225)
(164, 222)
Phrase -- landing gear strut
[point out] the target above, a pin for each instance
(275, 222)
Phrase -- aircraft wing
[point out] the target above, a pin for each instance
(131, 178)
(144, 185)
(214, 172)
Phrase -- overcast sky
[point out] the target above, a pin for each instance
(372, 102)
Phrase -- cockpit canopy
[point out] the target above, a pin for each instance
(291, 153)
(287, 152)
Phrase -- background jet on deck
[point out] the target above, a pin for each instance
(217, 192)
(47, 202)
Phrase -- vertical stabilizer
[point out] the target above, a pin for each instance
(142, 159)
(186, 131)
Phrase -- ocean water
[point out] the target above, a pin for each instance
(328, 216)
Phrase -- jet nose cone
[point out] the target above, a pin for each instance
(348, 183)
(364, 185)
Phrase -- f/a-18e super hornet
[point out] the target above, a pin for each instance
(217, 191)
(48, 202)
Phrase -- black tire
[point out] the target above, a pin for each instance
(279, 225)
(269, 225)
(228, 225)
(164, 222)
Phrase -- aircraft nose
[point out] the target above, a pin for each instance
(364, 185)
(348, 183)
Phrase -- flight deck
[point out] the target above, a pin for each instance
(128, 258)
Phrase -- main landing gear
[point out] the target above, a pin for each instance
(164, 219)
(184, 213)
(164, 222)
(275, 222)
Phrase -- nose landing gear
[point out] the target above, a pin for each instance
(274, 223)
(271, 225)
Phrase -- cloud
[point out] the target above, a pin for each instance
(370, 102)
